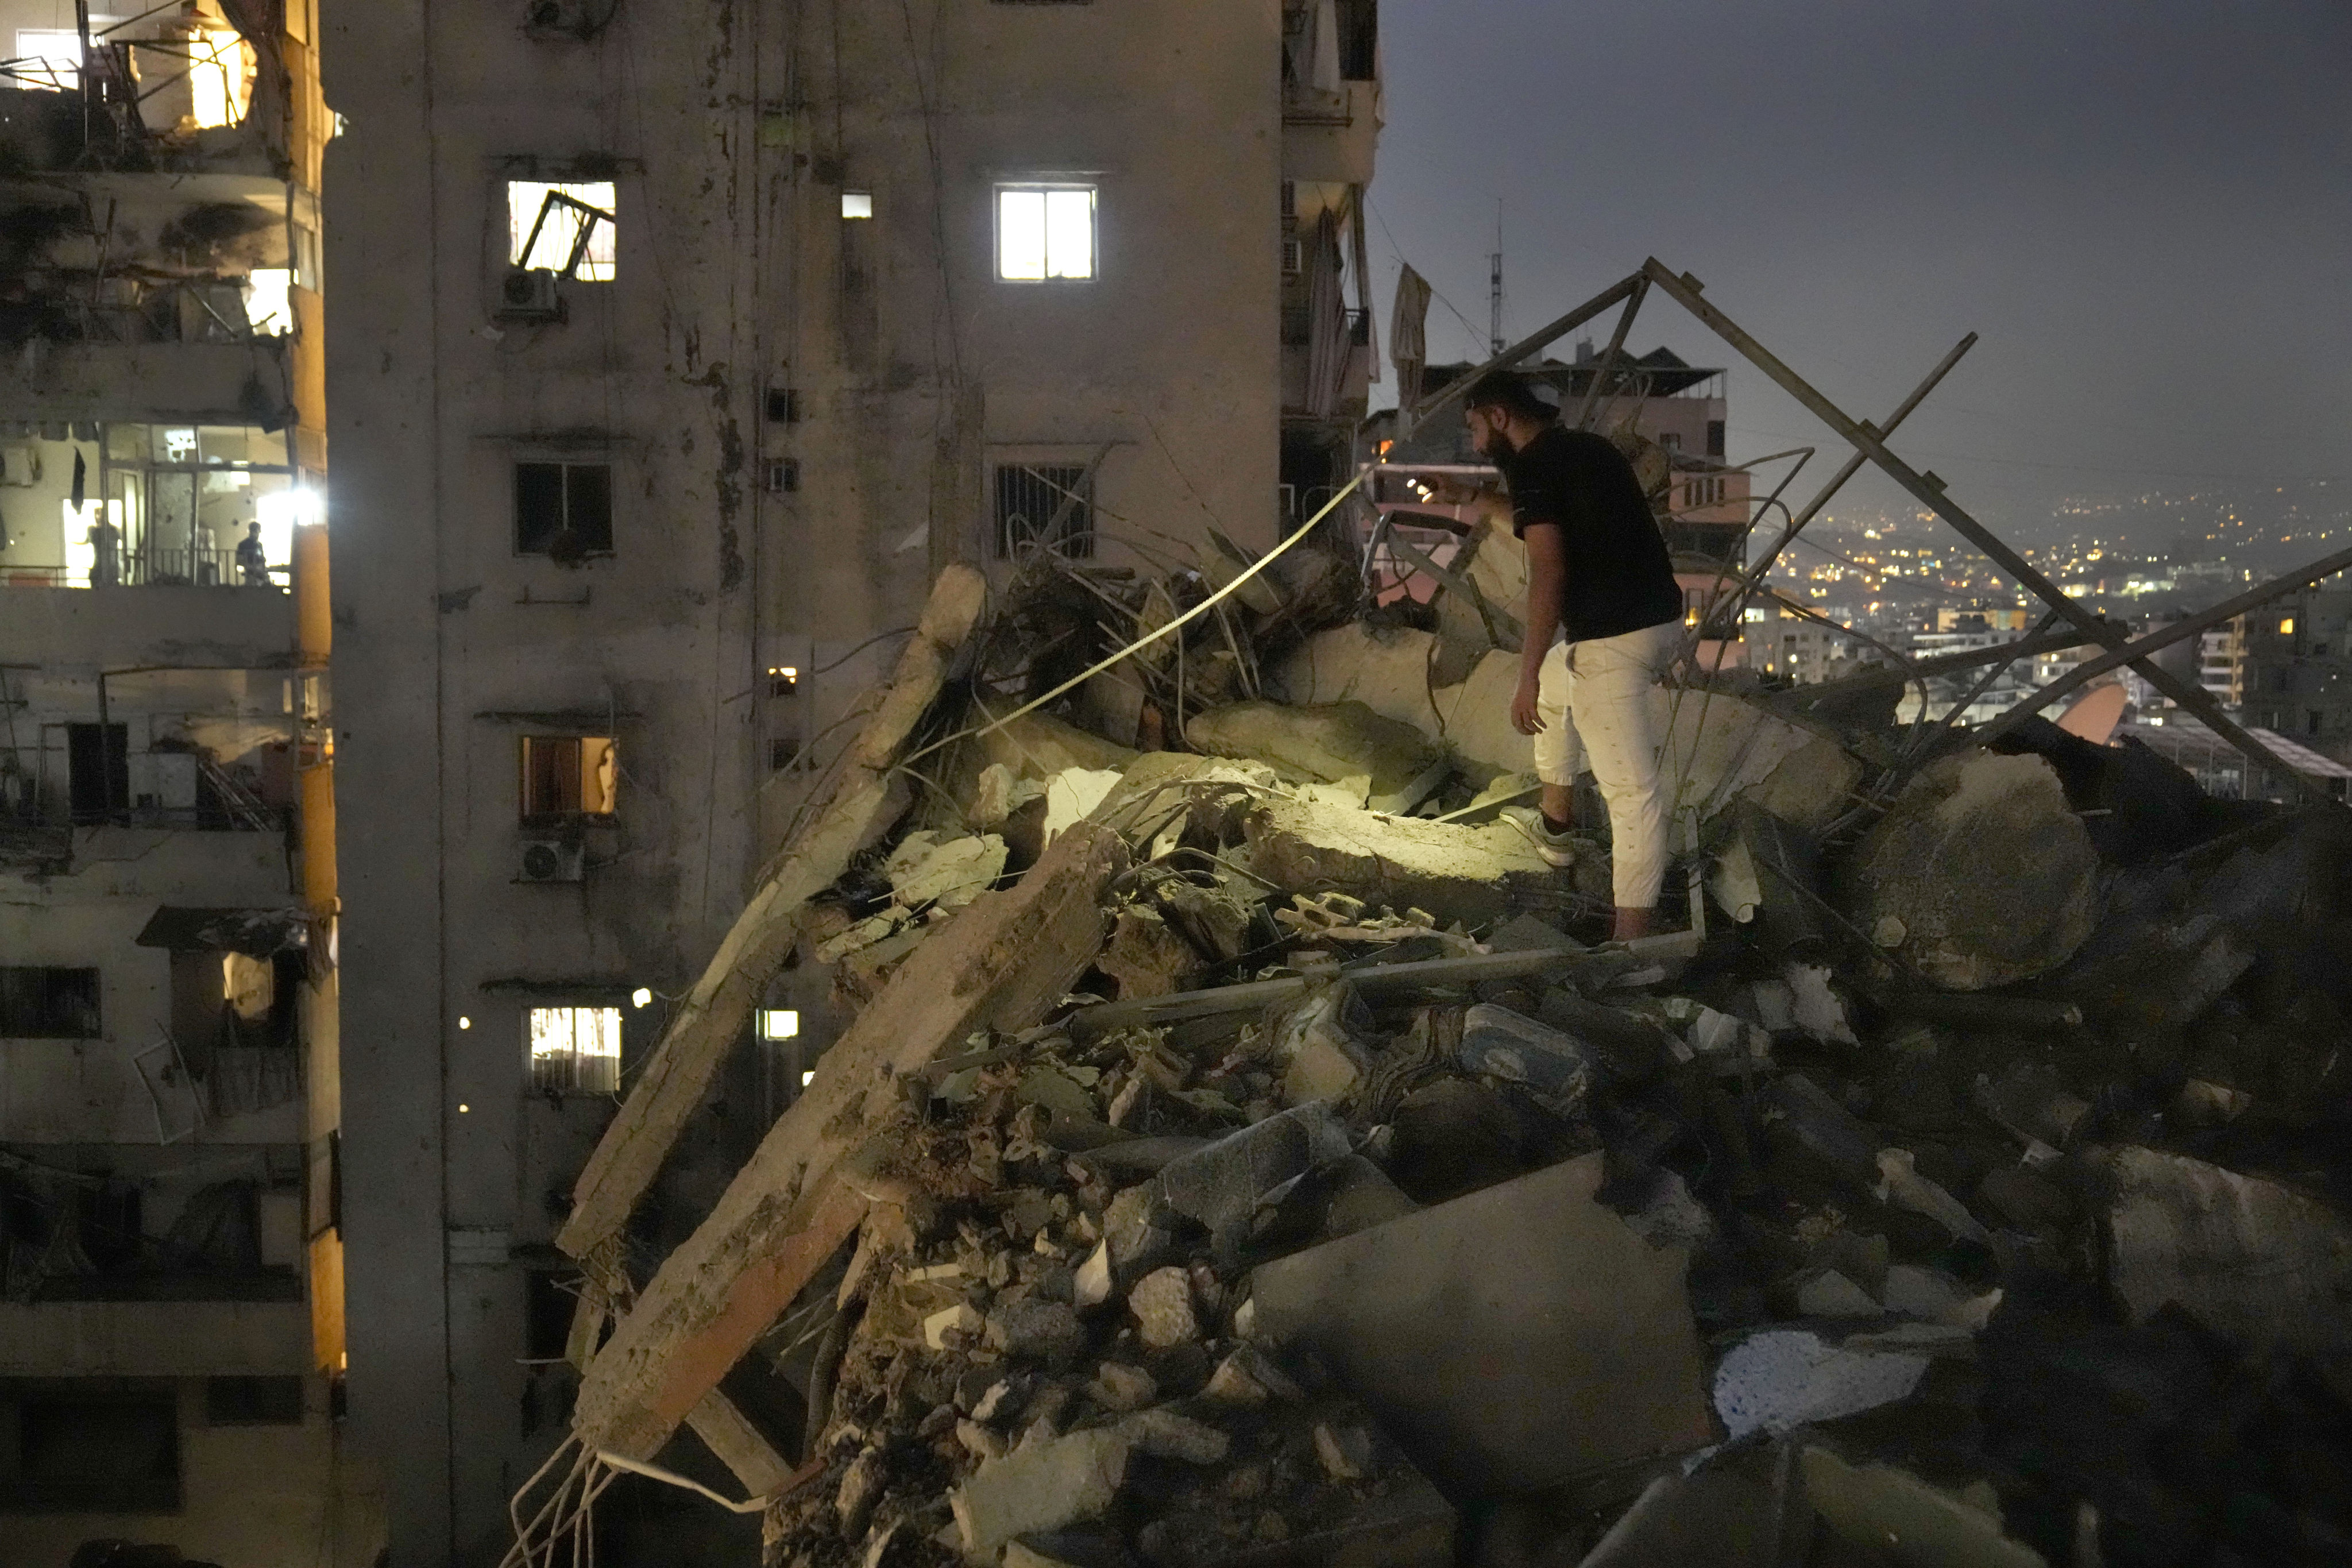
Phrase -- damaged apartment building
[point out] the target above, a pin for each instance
(171, 1337)
(675, 353)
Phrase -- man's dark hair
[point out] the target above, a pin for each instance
(1511, 392)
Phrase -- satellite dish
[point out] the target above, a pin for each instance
(2096, 713)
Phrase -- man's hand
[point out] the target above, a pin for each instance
(1524, 719)
(1451, 490)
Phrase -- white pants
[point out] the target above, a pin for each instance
(1601, 708)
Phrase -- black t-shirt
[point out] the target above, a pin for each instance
(1620, 578)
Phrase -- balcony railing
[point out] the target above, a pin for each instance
(196, 566)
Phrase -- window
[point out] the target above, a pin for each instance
(98, 771)
(2286, 627)
(42, 1003)
(1715, 437)
(784, 679)
(856, 204)
(576, 1050)
(1031, 500)
(253, 1402)
(569, 775)
(783, 405)
(1044, 232)
(779, 1024)
(563, 510)
(48, 58)
(784, 476)
(547, 1308)
(567, 229)
(96, 1448)
(220, 77)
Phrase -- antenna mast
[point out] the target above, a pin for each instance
(1494, 286)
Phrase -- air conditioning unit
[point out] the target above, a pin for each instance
(529, 294)
(552, 861)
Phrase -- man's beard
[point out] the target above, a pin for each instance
(1496, 444)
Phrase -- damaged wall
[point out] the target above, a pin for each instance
(748, 326)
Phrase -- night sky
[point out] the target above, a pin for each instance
(2143, 208)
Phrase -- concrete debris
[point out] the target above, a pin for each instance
(1966, 918)
(1508, 1340)
(1383, 764)
(1457, 873)
(1870, 1508)
(1163, 1304)
(1038, 1487)
(1234, 1162)
(2266, 1265)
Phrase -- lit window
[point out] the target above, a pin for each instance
(220, 78)
(779, 1024)
(576, 1049)
(2286, 627)
(267, 307)
(856, 204)
(784, 679)
(642, 996)
(46, 59)
(564, 776)
(562, 228)
(1044, 232)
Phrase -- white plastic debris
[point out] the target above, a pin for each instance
(1785, 1377)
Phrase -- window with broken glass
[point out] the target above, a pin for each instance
(1041, 507)
(563, 510)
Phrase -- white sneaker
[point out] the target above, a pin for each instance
(1557, 848)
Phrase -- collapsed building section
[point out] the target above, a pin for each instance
(1241, 1151)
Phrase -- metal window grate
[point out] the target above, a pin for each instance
(1030, 496)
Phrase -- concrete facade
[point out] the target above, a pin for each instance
(801, 375)
(170, 1342)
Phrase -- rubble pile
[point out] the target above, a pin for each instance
(1963, 1186)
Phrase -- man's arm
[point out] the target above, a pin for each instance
(1547, 576)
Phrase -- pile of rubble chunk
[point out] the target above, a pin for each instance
(1247, 1150)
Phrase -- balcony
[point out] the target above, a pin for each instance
(1330, 137)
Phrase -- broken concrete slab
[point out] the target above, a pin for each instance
(712, 1015)
(1038, 745)
(927, 867)
(1892, 1515)
(2259, 1263)
(1721, 749)
(1038, 1487)
(1000, 963)
(1454, 872)
(1385, 764)
(1508, 1340)
(1965, 919)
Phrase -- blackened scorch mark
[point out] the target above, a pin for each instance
(728, 483)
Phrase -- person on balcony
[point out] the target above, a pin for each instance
(1603, 620)
(252, 561)
(105, 542)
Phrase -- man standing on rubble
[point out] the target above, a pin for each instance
(1603, 617)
